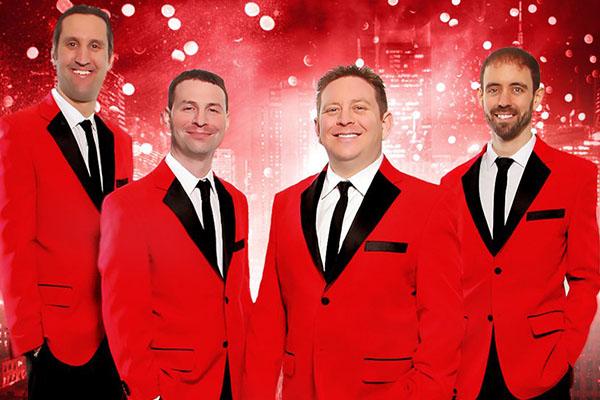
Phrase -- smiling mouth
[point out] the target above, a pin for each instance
(81, 72)
(346, 135)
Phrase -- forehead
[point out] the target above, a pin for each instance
(86, 26)
(348, 88)
(507, 72)
(199, 92)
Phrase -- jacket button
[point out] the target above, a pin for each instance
(225, 344)
(490, 318)
(497, 270)
(324, 300)
(226, 300)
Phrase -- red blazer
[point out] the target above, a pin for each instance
(170, 318)
(49, 230)
(388, 327)
(515, 286)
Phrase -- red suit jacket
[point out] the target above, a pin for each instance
(170, 318)
(388, 327)
(515, 285)
(49, 230)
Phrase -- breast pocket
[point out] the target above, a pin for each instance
(386, 246)
(537, 215)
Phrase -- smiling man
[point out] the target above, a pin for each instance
(57, 162)
(528, 218)
(174, 260)
(360, 296)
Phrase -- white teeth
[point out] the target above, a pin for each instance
(504, 116)
(80, 72)
(347, 135)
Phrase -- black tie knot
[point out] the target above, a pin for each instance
(504, 163)
(204, 186)
(343, 187)
(86, 124)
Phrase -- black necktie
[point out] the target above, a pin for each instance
(503, 164)
(92, 155)
(208, 222)
(335, 229)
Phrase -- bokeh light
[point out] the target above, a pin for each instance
(190, 48)
(128, 89)
(174, 24)
(32, 53)
(167, 11)
(251, 9)
(267, 23)
(128, 10)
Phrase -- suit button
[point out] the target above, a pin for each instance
(225, 344)
(497, 270)
(324, 300)
(226, 300)
(490, 318)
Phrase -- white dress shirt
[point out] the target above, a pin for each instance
(487, 179)
(188, 182)
(330, 196)
(74, 119)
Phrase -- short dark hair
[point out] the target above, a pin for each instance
(200, 75)
(513, 55)
(86, 10)
(365, 73)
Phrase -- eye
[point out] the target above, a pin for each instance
(71, 44)
(492, 90)
(188, 108)
(96, 46)
(518, 90)
(214, 110)
(360, 107)
(331, 109)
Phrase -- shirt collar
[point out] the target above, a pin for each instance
(520, 157)
(71, 114)
(186, 178)
(360, 181)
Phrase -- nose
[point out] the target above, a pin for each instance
(82, 57)
(345, 117)
(504, 98)
(199, 118)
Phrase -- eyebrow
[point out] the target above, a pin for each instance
(520, 84)
(69, 38)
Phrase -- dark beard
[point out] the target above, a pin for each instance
(506, 131)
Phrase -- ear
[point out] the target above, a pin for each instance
(111, 60)
(226, 121)
(53, 56)
(165, 118)
(480, 96)
(388, 122)
(538, 96)
(317, 128)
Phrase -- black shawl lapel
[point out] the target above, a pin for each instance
(534, 177)
(379, 197)
(227, 223)
(470, 182)
(308, 211)
(106, 141)
(179, 202)
(63, 136)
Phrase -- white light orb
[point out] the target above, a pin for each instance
(451, 139)
(440, 87)
(178, 55)
(532, 8)
(487, 45)
(552, 20)
(593, 59)
(393, 2)
(146, 148)
(568, 97)
(589, 39)
(32, 53)
(128, 89)
(475, 85)
(359, 62)
(292, 80)
(543, 59)
(545, 115)
(174, 24)
(251, 9)
(581, 116)
(453, 22)
(267, 23)
(167, 11)
(128, 9)
(416, 157)
(190, 48)
(455, 2)
(514, 12)
(444, 17)
(540, 125)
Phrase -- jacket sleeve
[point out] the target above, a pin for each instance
(266, 329)
(124, 265)
(18, 246)
(439, 302)
(583, 263)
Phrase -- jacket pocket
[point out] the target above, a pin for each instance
(385, 370)
(390, 247)
(545, 214)
(178, 359)
(546, 323)
(121, 182)
(239, 245)
(56, 295)
(289, 364)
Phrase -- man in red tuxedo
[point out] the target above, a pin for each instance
(57, 162)
(174, 261)
(360, 296)
(528, 221)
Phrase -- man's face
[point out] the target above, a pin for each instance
(197, 119)
(81, 57)
(508, 99)
(349, 123)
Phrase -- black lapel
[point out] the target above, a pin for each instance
(106, 141)
(308, 213)
(63, 136)
(379, 197)
(179, 202)
(534, 177)
(470, 181)
(227, 223)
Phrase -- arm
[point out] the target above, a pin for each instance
(18, 249)
(583, 262)
(439, 304)
(266, 330)
(124, 265)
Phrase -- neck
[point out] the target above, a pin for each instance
(347, 169)
(199, 167)
(85, 108)
(507, 148)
